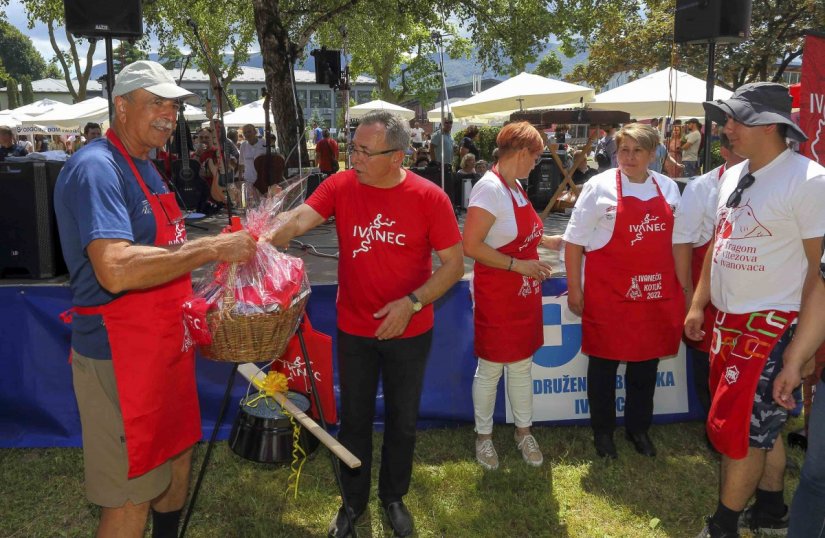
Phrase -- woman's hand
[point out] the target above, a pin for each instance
(536, 269)
(553, 242)
(575, 301)
(693, 323)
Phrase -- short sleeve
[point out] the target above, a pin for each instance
(323, 199)
(585, 217)
(688, 226)
(487, 195)
(97, 198)
(809, 207)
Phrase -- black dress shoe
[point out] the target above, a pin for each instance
(339, 526)
(605, 447)
(400, 519)
(642, 442)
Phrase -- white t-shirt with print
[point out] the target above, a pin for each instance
(594, 216)
(697, 212)
(492, 195)
(758, 259)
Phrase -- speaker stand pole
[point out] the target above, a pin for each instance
(110, 76)
(709, 97)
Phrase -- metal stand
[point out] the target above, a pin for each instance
(709, 97)
(336, 468)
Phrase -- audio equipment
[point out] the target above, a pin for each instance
(703, 21)
(99, 18)
(327, 66)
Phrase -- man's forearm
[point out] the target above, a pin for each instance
(810, 331)
(441, 280)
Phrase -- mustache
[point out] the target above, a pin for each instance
(163, 124)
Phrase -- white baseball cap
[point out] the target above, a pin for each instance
(152, 77)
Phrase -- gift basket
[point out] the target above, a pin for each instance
(248, 312)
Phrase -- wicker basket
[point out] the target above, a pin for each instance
(254, 337)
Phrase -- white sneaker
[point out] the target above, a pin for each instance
(486, 454)
(529, 450)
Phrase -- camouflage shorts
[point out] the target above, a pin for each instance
(768, 418)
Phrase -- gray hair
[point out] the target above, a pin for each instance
(398, 130)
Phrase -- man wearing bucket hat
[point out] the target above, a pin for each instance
(761, 271)
(124, 242)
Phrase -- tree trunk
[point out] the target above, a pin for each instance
(275, 50)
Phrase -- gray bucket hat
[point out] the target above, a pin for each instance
(152, 77)
(759, 103)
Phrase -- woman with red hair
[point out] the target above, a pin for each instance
(502, 234)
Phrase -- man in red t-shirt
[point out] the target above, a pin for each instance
(388, 221)
(326, 154)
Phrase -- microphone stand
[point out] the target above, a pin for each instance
(221, 97)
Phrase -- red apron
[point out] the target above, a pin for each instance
(152, 354)
(507, 313)
(697, 260)
(741, 346)
(634, 307)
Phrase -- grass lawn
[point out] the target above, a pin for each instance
(572, 495)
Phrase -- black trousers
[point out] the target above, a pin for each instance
(601, 392)
(400, 364)
(701, 375)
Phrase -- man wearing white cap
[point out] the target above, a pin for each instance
(761, 273)
(124, 242)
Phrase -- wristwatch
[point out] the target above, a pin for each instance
(416, 304)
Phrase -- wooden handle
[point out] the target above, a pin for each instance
(329, 441)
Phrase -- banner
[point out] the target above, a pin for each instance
(812, 98)
(560, 371)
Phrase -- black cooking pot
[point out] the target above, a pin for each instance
(263, 433)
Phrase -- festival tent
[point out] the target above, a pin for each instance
(69, 119)
(434, 115)
(13, 119)
(193, 113)
(365, 108)
(665, 93)
(39, 107)
(521, 92)
(252, 113)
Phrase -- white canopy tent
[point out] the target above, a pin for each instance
(13, 119)
(665, 93)
(521, 92)
(39, 107)
(365, 108)
(69, 119)
(193, 113)
(251, 113)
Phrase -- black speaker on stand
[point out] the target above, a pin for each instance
(719, 21)
(327, 66)
(99, 18)
(543, 180)
(28, 228)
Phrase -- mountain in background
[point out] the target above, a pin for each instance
(457, 71)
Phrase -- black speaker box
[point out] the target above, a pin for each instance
(28, 228)
(313, 181)
(99, 18)
(327, 66)
(702, 21)
(543, 181)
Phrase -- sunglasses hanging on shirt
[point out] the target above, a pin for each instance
(736, 196)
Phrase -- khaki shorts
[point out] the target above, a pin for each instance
(104, 442)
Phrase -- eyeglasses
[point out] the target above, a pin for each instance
(355, 151)
(736, 196)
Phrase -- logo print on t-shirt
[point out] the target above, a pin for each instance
(145, 208)
(376, 232)
(649, 224)
(741, 223)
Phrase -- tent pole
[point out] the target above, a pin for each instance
(709, 97)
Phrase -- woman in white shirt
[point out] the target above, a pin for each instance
(502, 234)
(631, 302)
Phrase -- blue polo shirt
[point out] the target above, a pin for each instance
(98, 197)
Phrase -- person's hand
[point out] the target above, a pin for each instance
(575, 301)
(536, 269)
(553, 242)
(235, 247)
(788, 379)
(396, 316)
(693, 324)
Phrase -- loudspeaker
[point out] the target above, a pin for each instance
(99, 18)
(327, 66)
(702, 21)
(313, 181)
(543, 181)
(28, 228)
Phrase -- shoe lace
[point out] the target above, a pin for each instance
(486, 449)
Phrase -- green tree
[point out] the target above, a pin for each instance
(126, 53)
(26, 90)
(52, 70)
(12, 96)
(170, 56)
(549, 66)
(18, 54)
(636, 36)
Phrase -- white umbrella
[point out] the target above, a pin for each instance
(70, 119)
(193, 113)
(252, 113)
(39, 107)
(523, 91)
(365, 108)
(665, 93)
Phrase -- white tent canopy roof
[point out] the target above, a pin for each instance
(69, 119)
(39, 107)
(13, 119)
(251, 113)
(665, 93)
(365, 108)
(523, 91)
